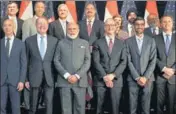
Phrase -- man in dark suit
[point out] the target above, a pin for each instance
(154, 25)
(72, 61)
(12, 10)
(91, 29)
(141, 53)
(109, 61)
(58, 27)
(40, 52)
(165, 67)
(13, 68)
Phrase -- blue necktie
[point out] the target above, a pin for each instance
(8, 47)
(167, 44)
(42, 47)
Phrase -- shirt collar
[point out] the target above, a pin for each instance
(140, 38)
(39, 35)
(10, 17)
(93, 19)
(11, 38)
(63, 21)
(108, 38)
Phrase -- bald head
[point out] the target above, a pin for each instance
(8, 27)
(72, 30)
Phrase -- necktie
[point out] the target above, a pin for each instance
(42, 47)
(64, 28)
(8, 47)
(89, 28)
(110, 45)
(167, 44)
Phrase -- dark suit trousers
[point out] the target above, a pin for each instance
(140, 96)
(34, 98)
(166, 92)
(14, 95)
(115, 94)
(72, 100)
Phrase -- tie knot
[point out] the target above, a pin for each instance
(167, 35)
(89, 22)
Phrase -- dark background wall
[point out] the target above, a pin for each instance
(101, 7)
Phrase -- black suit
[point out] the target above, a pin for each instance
(19, 28)
(163, 85)
(106, 63)
(148, 31)
(42, 69)
(96, 33)
(55, 29)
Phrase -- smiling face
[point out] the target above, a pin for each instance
(139, 26)
(42, 25)
(12, 9)
(90, 11)
(110, 27)
(62, 11)
(167, 24)
(39, 9)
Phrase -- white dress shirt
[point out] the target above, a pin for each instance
(130, 29)
(156, 30)
(64, 25)
(108, 39)
(165, 37)
(11, 39)
(139, 41)
(39, 40)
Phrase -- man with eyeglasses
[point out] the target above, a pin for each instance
(109, 61)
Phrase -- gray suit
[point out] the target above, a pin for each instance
(42, 69)
(140, 65)
(13, 71)
(162, 83)
(72, 56)
(29, 28)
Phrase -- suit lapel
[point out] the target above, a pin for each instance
(61, 30)
(48, 47)
(14, 45)
(106, 46)
(135, 45)
(114, 51)
(3, 48)
(93, 27)
(172, 45)
(144, 45)
(162, 44)
(85, 26)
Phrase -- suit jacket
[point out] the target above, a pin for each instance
(13, 68)
(126, 29)
(96, 33)
(164, 60)
(141, 64)
(148, 32)
(19, 28)
(72, 56)
(29, 28)
(56, 30)
(38, 68)
(106, 63)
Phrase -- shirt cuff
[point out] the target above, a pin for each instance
(66, 75)
(77, 76)
(137, 78)
(163, 69)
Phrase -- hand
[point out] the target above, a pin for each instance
(109, 84)
(20, 86)
(27, 85)
(109, 77)
(169, 71)
(142, 81)
(72, 79)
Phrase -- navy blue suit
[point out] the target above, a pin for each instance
(13, 71)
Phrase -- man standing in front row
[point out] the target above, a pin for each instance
(13, 68)
(72, 61)
(40, 53)
(141, 53)
(109, 61)
(166, 66)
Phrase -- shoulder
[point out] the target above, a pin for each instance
(31, 38)
(82, 41)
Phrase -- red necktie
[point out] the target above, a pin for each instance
(89, 28)
(110, 45)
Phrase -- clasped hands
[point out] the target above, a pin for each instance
(142, 81)
(168, 72)
(72, 79)
(108, 79)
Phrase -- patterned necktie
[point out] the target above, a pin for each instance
(111, 44)
(8, 47)
(89, 28)
(167, 44)
(42, 47)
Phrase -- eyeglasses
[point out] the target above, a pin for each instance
(110, 25)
